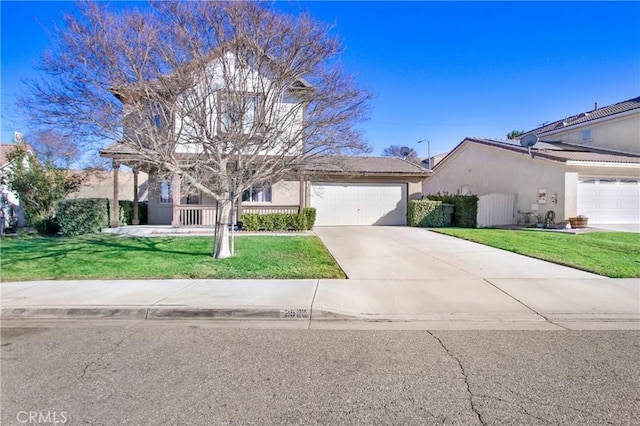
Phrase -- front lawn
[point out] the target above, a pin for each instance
(612, 254)
(115, 257)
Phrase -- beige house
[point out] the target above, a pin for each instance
(343, 190)
(587, 164)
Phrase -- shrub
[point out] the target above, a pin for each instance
(82, 216)
(310, 214)
(126, 212)
(251, 222)
(47, 226)
(425, 214)
(274, 222)
(466, 208)
(297, 222)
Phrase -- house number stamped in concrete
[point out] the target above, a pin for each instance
(294, 314)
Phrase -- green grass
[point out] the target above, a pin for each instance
(115, 257)
(612, 254)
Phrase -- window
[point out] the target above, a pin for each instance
(166, 192)
(241, 110)
(586, 135)
(258, 194)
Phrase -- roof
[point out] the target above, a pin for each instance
(584, 117)
(366, 165)
(556, 152)
(6, 149)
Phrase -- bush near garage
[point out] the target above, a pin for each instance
(425, 214)
(466, 208)
(274, 222)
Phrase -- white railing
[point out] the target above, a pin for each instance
(197, 215)
(205, 215)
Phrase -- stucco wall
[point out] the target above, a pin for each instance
(481, 170)
(621, 133)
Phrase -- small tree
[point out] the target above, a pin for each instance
(54, 147)
(515, 134)
(396, 151)
(220, 96)
(40, 186)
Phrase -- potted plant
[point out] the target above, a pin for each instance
(579, 222)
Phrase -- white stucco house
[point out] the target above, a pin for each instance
(344, 190)
(587, 164)
(12, 214)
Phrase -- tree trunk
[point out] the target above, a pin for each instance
(222, 245)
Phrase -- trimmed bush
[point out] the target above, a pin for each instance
(466, 208)
(251, 222)
(82, 216)
(274, 222)
(425, 214)
(310, 214)
(297, 222)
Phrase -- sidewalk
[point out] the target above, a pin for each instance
(597, 303)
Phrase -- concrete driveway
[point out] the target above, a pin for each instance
(413, 270)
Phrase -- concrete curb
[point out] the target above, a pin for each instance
(156, 313)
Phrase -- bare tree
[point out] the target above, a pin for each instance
(54, 147)
(224, 96)
(397, 151)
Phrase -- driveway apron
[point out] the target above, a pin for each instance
(414, 271)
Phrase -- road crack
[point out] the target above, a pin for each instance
(464, 375)
(105, 354)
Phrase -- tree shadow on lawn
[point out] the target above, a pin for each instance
(57, 248)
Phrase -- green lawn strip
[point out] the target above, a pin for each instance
(116, 257)
(612, 254)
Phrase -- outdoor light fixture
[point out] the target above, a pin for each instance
(428, 150)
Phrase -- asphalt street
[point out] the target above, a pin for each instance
(192, 374)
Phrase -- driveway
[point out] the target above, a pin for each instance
(412, 270)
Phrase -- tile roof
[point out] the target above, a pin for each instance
(587, 116)
(560, 155)
(366, 165)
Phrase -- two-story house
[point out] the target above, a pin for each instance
(344, 190)
(586, 164)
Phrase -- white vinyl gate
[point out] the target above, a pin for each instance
(496, 209)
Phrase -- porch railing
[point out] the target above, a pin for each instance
(205, 215)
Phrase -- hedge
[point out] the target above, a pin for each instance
(466, 208)
(310, 214)
(82, 216)
(425, 214)
(126, 212)
(278, 221)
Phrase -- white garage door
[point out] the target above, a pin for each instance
(359, 204)
(609, 200)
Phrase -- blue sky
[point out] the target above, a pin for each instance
(440, 70)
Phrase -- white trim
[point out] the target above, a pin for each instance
(602, 164)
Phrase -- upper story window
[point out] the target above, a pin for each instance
(238, 113)
(585, 135)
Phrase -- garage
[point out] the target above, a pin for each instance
(359, 203)
(609, 201)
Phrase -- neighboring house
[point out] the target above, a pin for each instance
(588, 164)
(12, 213)
(344, 190)
(99, 184)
